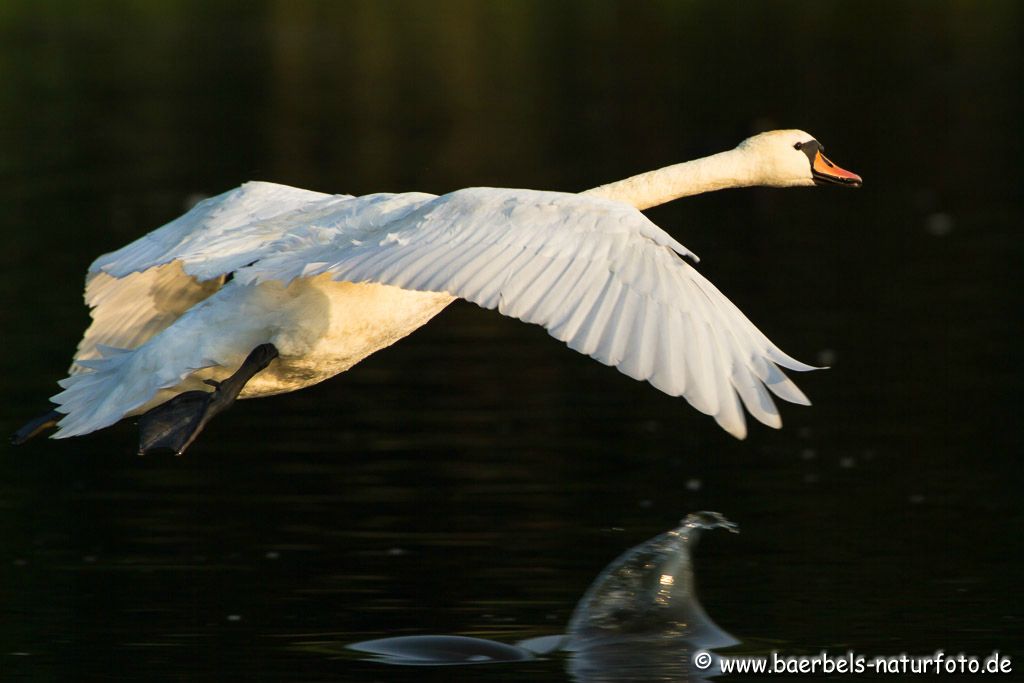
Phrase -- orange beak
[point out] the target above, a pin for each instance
(825, 171)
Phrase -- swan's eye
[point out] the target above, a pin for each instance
(798, 145)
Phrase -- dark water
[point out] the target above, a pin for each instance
(475, 478)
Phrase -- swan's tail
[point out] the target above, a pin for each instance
(113, 386)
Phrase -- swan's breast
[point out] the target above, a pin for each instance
(326, 327)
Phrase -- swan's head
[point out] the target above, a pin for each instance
(793, 158)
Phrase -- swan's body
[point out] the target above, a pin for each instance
(329, 279)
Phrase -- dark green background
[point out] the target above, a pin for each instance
(477, 476)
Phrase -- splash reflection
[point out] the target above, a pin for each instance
(639, 620)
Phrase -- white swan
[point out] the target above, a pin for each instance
(268, 288)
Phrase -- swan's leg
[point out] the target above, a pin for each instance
(175, 424)
(35, 427)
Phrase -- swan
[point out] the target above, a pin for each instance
(267, 289)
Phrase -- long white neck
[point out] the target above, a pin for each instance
(735, 168)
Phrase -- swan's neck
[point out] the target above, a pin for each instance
(734, 168)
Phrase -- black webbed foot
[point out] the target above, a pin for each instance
(35, 427)
(175, 424)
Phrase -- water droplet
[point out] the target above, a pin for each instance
(650, 427)
(939, 224)
(826, 357)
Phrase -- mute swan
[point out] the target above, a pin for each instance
(268, 288)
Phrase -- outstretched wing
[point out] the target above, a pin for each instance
(140, 289)
(596, 273)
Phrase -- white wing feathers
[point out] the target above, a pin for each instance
(142, 288)
(217, 235)
(596, 273)
(128, 311)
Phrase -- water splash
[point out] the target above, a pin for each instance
(639, 620)
(648, 593)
